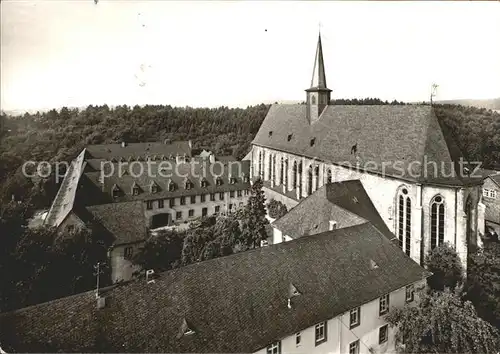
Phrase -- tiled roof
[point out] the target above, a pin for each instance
(110, 151)
(178, 174)
(345, 202)
(233, 304)
(124, 221)
(381, 138)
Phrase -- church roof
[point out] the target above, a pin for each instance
(116, 151)
(346, 203)
(231, 304)
(391, 140)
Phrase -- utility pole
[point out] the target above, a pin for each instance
(433, 91)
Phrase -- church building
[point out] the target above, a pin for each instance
(412, 171)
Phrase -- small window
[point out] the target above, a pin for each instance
(212, 197)
(410, 293)
(274, 348)
(135, 191)
(384, 305)
(187, 185)
(355, 317)
(217, 209)
(218, 181)
(70, 228)
(320, 333)
(231, 194)
(313, 141)
(239, 193)
(154, 189)
(354, 347)
(183, 200)
(270, 133)
(204, 212)
(230, 207)
(128, 252)
(221, 196)
(289, 137)
(149, 204)
(171, 202)
(298, 339)
(178, 215)
(191, 213)
(161, 204)
(202, 198)
(233, 180)
(383, 334)
(193, 199)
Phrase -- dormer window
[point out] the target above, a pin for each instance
(122, 159)
(270, 133)
(233, 180)
(171, 186)
(204, 183)
(313, 141)
(187, 185)
(139, 158)
(113, 160)
(115, 191)
(154, 188)
(218, 181)
(135, 191)
(246, 179)
(289, 137)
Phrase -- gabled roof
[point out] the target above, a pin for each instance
(117, 151)
(391, 140)
(495, 178)
(345, 202)
(124, 221)
(233, 304)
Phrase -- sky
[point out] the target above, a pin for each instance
(74, 53)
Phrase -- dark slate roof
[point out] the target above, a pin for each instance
(345, 202)
(233, 304)
(109, 151)
(496, 179)
(381, 133)
(178, 174)
(124, 221)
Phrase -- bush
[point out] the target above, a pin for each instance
(276, 209)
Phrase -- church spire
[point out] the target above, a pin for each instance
(318, 95)
(319, 78)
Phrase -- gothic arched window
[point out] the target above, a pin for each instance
(309, 181)
(403, 223)
(470, 228)
(282, 170)
(273, 169)
(285, 172)
(437, 221)
(270, 167)
(261, 169)
(301, 167)
(294, 177)
(316, 172)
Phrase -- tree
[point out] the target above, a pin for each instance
(254, 217)
(444, 263)
(161, 251)
(483, 282)
(276, 209)
(442, 323)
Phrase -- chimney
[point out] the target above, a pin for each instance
(101, 302)
(167, 141)
(333, 225)
(124, 144)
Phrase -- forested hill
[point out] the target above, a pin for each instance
(60, 135)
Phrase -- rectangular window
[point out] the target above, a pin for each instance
(274, 348)
(410, 293)
(161, 204)
(238, 193)
(128, 252)
(178, 215)
(217, 209)
(383, 333)
(486, 192)
(183, 200)
(247, 192)
(171, 202)
(493, 194)
(202, 198)
(231, 194)
(204, 212)
(384, 305)
(230, 207)
(354, 317)
(320, 333)
(354, 347)
(191, 212)
(193, 199)
(221, 196)
(149, 204)
(212, 197)
(298, 339)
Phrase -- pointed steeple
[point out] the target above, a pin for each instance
(318, 95)
(319, 78)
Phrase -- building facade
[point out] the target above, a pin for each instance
(491, 199)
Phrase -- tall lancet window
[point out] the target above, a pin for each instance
(261, 165)
(437, 221)
(282, 170)
(403, 224)
(270, 167)
(309, 180)
(285, 174)
(273, 177)
(301, 167)
(316, 173)
(294, 177)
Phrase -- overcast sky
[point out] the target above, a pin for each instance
(74, 53)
